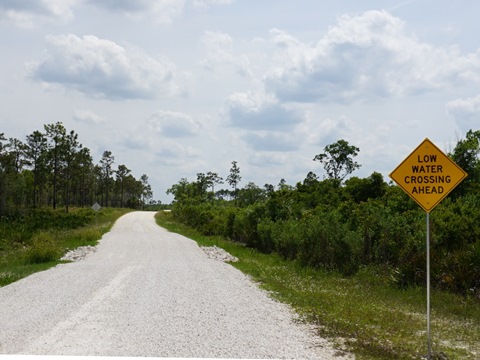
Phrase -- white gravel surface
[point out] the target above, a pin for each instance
(150, 293)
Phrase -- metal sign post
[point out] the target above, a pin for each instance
(427, 175)
(429, 339)
(96, 207)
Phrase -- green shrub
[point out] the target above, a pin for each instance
(230, 221)
(82, 237)
(339, 227)
(458, 271)
(245, 226)
(328, 243)
(287, 237)
(14, 234)
(265, 235)
(43, 249)
(456, 224)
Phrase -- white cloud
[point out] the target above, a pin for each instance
(219, 53)
(87, 116)
(206, 3)
(271, 141)
(166, 135)
(124, 5)
(164, 152)
(326, 131)
(100, 68)
(466, 113)
(173, 124)
(265, 124)
(257, 111)
(218, 47)
(268, 159)
(173, 153)
(26, 13)
(369, 55)
(161, 11)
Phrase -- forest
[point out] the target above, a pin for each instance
(339, 223)
(51, 168)
(343, 223)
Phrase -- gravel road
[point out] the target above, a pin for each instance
(150, 293)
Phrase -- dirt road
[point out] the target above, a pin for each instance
(148, 292)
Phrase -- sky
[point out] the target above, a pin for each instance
(178, 87)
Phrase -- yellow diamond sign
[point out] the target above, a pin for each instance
(428, 175)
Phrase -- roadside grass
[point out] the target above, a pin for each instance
(38, 250)
(361, 314)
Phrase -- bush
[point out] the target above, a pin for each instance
(287, 238)
(328, 243)
(324, 224)
(43, 249)
(318, 240)
(245, 225)
(265, 235)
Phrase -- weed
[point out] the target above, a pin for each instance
(44, 249)
(37, 241)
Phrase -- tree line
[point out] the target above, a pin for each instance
(341, 223)
(51, 168)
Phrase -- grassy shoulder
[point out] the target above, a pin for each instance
(362, 314)
(26, 248)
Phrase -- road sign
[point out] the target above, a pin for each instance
(428, 175)
(96, 207)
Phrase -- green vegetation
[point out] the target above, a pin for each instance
(364, 233)
(47, 185)
(362, 313)
(53, 169)
(343, 226)
(37, 240)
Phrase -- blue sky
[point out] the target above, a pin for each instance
(177, 87)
